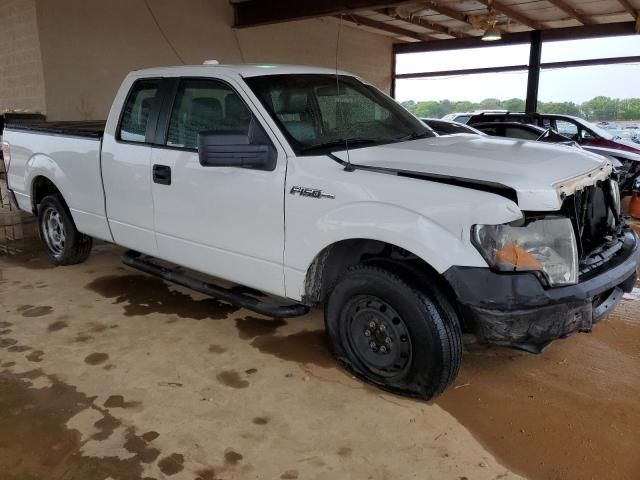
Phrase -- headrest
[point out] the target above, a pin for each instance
(206, 109)
(235, 108)
(292, 102)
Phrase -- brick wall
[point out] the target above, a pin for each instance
(21, 75)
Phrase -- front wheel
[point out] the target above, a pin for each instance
(65, 245)
(401, 338)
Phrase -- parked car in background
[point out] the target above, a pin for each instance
(445, 127)
(627, 163)
(463, 117)
(574, 128)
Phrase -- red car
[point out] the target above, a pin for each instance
(577, 129)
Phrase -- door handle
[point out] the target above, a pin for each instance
(162, 174)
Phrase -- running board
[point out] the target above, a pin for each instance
(134, 260)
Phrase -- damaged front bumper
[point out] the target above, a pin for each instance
(516, 309)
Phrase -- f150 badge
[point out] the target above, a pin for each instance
(310, 192)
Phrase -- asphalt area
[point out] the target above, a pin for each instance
(106, 373)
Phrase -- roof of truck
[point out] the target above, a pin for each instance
(242, 69)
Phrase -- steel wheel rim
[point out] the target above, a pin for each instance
(378, 336)
(53, 231)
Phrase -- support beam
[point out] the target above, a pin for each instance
(533, 80)
(572, 12)
(512, 14)
(259, 12)
(423, 22)
(629, 8)
(385, 27)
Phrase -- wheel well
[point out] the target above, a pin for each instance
(42, 187)
(337, 258)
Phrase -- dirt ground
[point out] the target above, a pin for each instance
(106, 373)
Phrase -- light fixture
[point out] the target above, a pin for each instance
(492, 33)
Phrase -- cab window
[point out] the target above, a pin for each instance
(205, 105)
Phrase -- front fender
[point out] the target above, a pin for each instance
(402, 227)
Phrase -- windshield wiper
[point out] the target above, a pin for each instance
(414, 136)
(341, 142)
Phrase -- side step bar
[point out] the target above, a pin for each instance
(134, 260)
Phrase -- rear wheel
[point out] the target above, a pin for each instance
(65, 245)
(401, 338)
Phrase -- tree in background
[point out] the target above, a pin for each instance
(561, 108)
(596, 109)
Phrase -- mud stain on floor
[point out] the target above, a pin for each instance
(231, 457)
(18, 348)
(216, 349)
(261, 420)
(117, 401)
(206, 474)
(37, 418)
(35, 356)
(7, 342)
(572, 412)
(58, 325)
(171, 464)
(30, 311)
(251, 327)
(289, 475)
(143, 295)
(231, 378)
(140, 446)
(307, 346)
(96, 358)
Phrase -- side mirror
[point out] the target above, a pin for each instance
(234, 150)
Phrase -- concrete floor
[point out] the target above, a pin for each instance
(107, 373)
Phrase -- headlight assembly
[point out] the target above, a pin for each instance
(547, 246)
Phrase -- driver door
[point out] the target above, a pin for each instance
(223, 221)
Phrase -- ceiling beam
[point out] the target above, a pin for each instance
(425, 23)
(512, 14)
(251, 13)
(572, 12)
(599, 30)
(629, 8)
(386, 27)
(437, 6)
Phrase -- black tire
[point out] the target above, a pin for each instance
(64, 244)
(421, 329)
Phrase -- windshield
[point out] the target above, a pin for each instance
(324, 113)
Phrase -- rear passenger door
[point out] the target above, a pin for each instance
(223, 221)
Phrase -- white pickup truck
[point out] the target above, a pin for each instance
(313, 187)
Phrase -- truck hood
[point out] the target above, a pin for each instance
(538, 172)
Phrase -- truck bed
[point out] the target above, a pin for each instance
(80, 128)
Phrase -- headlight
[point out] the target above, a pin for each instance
(547, 246)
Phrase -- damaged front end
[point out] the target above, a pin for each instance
(549, 279)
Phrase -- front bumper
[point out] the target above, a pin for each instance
(515, 309)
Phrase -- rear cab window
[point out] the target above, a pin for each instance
(138, 106)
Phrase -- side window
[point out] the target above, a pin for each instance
(568, 129)
(135, 116)
(205, 105)
(522, 133)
